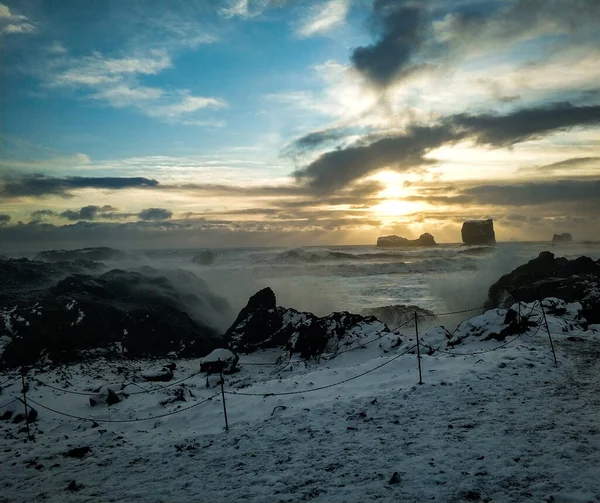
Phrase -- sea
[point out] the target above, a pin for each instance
(444, 278)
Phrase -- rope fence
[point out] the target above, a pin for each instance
(236, 391)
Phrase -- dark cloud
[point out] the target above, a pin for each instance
(237, 190)
(405, 31)
(39, 185)
(525, 124)
(338, 168)
(86, 213)
(155, 214)
(401, 25)
(315, 139)
(4, 219)
(41, 214)
(537, 193)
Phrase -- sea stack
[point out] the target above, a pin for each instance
(478, 232)
(389, 241)
(565, 237)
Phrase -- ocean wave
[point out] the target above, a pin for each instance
(303, 256)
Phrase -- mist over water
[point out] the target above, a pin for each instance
(341, 278)
(352, 278)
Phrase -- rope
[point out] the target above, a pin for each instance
(134, 420)
(9, 380)
(492, 349)
(88, 393)
(434, 315)
(7, 404)
(374, 340)
(326, 386)
(481, 352)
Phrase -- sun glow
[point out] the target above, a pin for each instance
(395, 207)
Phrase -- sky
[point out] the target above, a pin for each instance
(218, 123)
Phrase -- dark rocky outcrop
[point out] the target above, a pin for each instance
(575, 280)
(145, 313)
(396, 315)
(205, 257)
(15, 410)
(95, 254)
(478, 232)
(77, 452)
(565, 237)
(425, 239)
(104, 395)
(262, 324)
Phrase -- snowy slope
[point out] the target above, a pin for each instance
(501, 425)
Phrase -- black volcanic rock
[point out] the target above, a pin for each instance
(262, 324)
(425, 239)
(96, 254)
(478, 232)
(565, 237)
(575, 280)
(125, 313)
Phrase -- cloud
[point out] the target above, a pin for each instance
(412, 35)
(38, 185)
(323, 18)
(115, 82)
(155, 214)
(247, 9)
(13, 24)
(573, 163)
(408, 150)
(187, 104)
(527, 123)
(91, 212)
(402, 28)
(4, 218)
(537, 193)
(106, 212)
(315, 139)
(338, 168)
(39, 215)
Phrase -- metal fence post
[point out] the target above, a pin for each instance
(223, 394)
(548, 330)
(418, 347)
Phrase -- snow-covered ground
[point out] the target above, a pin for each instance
(503, 425)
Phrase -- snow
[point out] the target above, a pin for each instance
(507, 425)
(221, 354)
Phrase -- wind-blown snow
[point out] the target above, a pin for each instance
(503, 426)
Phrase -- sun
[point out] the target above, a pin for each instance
(391, 196)
(394, 208)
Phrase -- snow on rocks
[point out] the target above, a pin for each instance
(262, 324)
(161, 374)
(221, 359)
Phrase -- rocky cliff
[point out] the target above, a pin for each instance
(425, 239)
(478, 232)
(575, 280)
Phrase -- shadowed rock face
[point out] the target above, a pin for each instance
(565, 237)
(68, 312)
(262, 324)
(546, 276)
(478, 232)
(390, 241)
